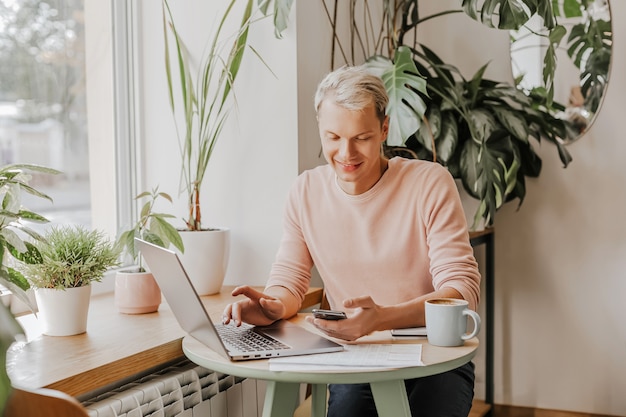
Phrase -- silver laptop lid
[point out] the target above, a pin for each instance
(193, 318)
(181, 295)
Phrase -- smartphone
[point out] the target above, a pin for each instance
(328, 314)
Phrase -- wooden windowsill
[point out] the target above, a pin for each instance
(115, 347)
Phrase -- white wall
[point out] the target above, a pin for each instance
(560, 259)
(561, 268)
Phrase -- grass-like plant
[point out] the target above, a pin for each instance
(72, 256)
(152, 227)
(204, 98)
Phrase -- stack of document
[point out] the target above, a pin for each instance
(359, 357)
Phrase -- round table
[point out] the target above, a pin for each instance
(387, 384)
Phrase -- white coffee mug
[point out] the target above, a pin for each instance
(446, 321)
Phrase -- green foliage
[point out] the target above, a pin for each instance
(14, 231)
(480, 129)
(402, 81)
(589, 46)
(9, 330)
(152, 227)
(72, 256)
(206, 97)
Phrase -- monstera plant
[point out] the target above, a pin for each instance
(484, 131)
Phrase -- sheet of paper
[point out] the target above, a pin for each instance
(359, 357)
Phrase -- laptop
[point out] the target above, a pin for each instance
(246, 342)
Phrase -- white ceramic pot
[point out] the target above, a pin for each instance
(136, 293)
(63, 312)
(206, 258)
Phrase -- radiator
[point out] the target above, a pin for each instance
(181, 390)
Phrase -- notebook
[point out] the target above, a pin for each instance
(237, 343)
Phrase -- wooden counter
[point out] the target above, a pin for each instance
(116, 346)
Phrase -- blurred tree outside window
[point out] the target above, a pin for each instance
(43, 114)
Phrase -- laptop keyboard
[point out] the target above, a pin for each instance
(244, 339)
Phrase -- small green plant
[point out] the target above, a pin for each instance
(72, 256)
(152, 227)
(15, 235)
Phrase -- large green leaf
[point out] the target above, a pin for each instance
(513, 121)
(18, 285)
(155, 239)
(570, 8)
(448, 139)
(510, 14)
(545, 10)
(168, 231)
(403, 83)
(30, 256)
(151, 226)
(127, 240)
(11, 277)
(488, 172)
(282, 8)
(12, 239)
(483, 124)
(549, 60)
(430, 130)
(591, 43)
(530, 163)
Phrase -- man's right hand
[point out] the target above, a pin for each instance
(257, 308)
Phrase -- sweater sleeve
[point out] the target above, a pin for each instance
(452, 262)
(293, 263)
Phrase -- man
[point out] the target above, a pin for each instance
(385, 235)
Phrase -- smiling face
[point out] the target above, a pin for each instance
(351, 143)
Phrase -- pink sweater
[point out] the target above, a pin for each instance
(404, 238)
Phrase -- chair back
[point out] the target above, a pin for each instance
(42, 403)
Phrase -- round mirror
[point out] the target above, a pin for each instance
(582, 64)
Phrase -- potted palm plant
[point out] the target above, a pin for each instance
(201, 102)
(72, 257)
(136, 290)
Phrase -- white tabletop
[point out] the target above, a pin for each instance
(435, 359)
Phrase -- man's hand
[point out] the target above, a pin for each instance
(362, 319)
(257, 308)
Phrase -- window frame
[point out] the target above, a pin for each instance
(112, 112)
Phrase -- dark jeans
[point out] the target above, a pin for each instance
(444, 395)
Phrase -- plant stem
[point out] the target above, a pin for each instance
(432, 16)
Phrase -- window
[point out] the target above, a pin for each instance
(67, 104)
(66, 101)
(43, 117)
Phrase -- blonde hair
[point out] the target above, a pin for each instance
(353, 88)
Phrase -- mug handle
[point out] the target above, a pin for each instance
(474, 315)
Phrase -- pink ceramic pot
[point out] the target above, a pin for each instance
(136, 293)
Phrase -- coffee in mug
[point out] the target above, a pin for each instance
(446, 321)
